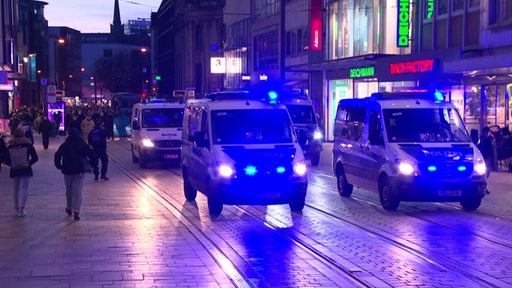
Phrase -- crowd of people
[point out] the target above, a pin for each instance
(87, 130)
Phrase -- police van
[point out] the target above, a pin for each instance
(156, 131)
(240, 148)
(305, 121)
(407, 146)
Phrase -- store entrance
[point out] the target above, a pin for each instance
(488, 105)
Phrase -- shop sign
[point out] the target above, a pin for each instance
(418, 66)
(218, 65)
(316, 25)
(404, 12)
(362, 72)
(430, 9)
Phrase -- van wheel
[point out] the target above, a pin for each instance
(315, 159)
(388, 198)
(143, 163)
(344, 188)
(471, 203)
(134, 158)
(190, 192)
(298, 204)
(214, 206)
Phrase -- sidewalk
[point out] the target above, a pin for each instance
(124, 239)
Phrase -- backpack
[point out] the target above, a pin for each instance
(19, 157)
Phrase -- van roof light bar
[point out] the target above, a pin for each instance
(432, 96)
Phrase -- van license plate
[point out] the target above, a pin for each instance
(449, 192)
(170, 156)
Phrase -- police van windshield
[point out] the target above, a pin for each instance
(255, 126)
(162, 118)
(425, 125)
(301, 114)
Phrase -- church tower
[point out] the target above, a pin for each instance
(116, 28)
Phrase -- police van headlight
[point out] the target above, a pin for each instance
(480, 167)
(147, 143)
(299, 169)
(317, 135)
(405, 168)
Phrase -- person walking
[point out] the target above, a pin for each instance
(68, 158)
(45, 127)
(86, 125)
(3, 150)
(98, 142)
(20, 156)
(487, 147)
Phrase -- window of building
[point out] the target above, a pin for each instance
(297, 41)
(442, 7)
(266, 51)
(500, 11)
(457, 5)
(265, 8)
(473, 3)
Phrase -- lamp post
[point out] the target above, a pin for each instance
(95, 91)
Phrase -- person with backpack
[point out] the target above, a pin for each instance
(98, 142)
(69, 160)
(20, 156)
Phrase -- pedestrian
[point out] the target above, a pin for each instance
(3, 150)
(68, 158)
(86, 125)
(487, 147)
(20, 156)
(26, 125)
(45, 127)
(98, 141)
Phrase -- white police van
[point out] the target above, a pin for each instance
(156, 131)
(305, 121)
(407, 146)
(239, 148)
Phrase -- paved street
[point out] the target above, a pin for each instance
(137, 230)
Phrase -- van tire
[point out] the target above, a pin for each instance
(143, 163)
(315, 159)
(298, 204)
(470, 203)
(388, 198)
(344, 188)
(214, 206)
(189, 191)
(134, 158)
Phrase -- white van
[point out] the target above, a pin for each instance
(156, 132)
(407, 146)
(240, 149)
(305, 121)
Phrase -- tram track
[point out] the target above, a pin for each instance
(479, 279)
(239, 271)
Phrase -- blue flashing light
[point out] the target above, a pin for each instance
(250, 170)
(280, 170)
(462, 168)
(439, 97)
(272, 97)
(432, 168)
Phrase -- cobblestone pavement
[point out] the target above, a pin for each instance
(127, 238)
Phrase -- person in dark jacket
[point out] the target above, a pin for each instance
(98, 141)
(20, 156)
(487, 146)
(3, 150)
(68, 159)
(45, 128)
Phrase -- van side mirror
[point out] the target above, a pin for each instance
(135, 125)
(200, 139)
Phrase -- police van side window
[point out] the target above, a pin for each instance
(194, 123)
(350, 123)
(375, 129)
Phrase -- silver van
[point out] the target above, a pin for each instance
(407, 146)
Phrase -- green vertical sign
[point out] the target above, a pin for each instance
(403, 23)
